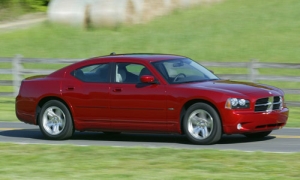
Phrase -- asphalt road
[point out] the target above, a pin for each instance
(284, 140)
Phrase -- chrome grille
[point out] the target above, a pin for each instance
(268, 104)
(277, 104)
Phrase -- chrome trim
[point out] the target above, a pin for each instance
(270, 104)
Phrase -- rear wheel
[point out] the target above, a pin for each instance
(55, 121)
(202, 124)
(258, 135)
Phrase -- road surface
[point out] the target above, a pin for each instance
(284, 140)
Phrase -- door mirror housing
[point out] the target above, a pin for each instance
(147, 79)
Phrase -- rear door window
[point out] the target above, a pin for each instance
(94, 73)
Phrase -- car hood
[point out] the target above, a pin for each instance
(235, 87)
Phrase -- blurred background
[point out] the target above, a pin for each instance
(238, 39)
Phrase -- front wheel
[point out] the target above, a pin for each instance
(258, 135)
(202, 124)
(55, 121)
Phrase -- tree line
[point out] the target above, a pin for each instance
(30, 5)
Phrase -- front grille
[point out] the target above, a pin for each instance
(268, 104)
(277, 102)
(262, 101)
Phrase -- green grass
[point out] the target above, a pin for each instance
(73, 162)
(12, 9)
(7, 109)
(235, 30)
(11, 12)
(294, 120)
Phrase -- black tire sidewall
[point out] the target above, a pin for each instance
(68, 129)
(217, 126)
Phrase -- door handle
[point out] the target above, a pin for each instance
(117, 90)
(70, 88)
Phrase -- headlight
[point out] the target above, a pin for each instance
(235, 103)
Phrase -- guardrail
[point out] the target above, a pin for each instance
(18, 71)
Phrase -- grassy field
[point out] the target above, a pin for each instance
(14, 9)
(235, 30)
(10, 12)
(73, 162)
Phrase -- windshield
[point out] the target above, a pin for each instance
(184, 70)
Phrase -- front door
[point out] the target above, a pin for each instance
(136, 106)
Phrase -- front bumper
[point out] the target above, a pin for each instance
(251, 122)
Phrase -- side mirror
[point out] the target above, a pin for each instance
(147, 79)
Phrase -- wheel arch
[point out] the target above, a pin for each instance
(44, 101)
(190, 103)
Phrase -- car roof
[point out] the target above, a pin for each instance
(140, 57)
(134, 57)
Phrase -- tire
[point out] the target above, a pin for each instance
(258, 135)
(202, 124)
(55, 121)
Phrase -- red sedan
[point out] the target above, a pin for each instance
(150, 93)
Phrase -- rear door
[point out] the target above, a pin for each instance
(87, 90)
